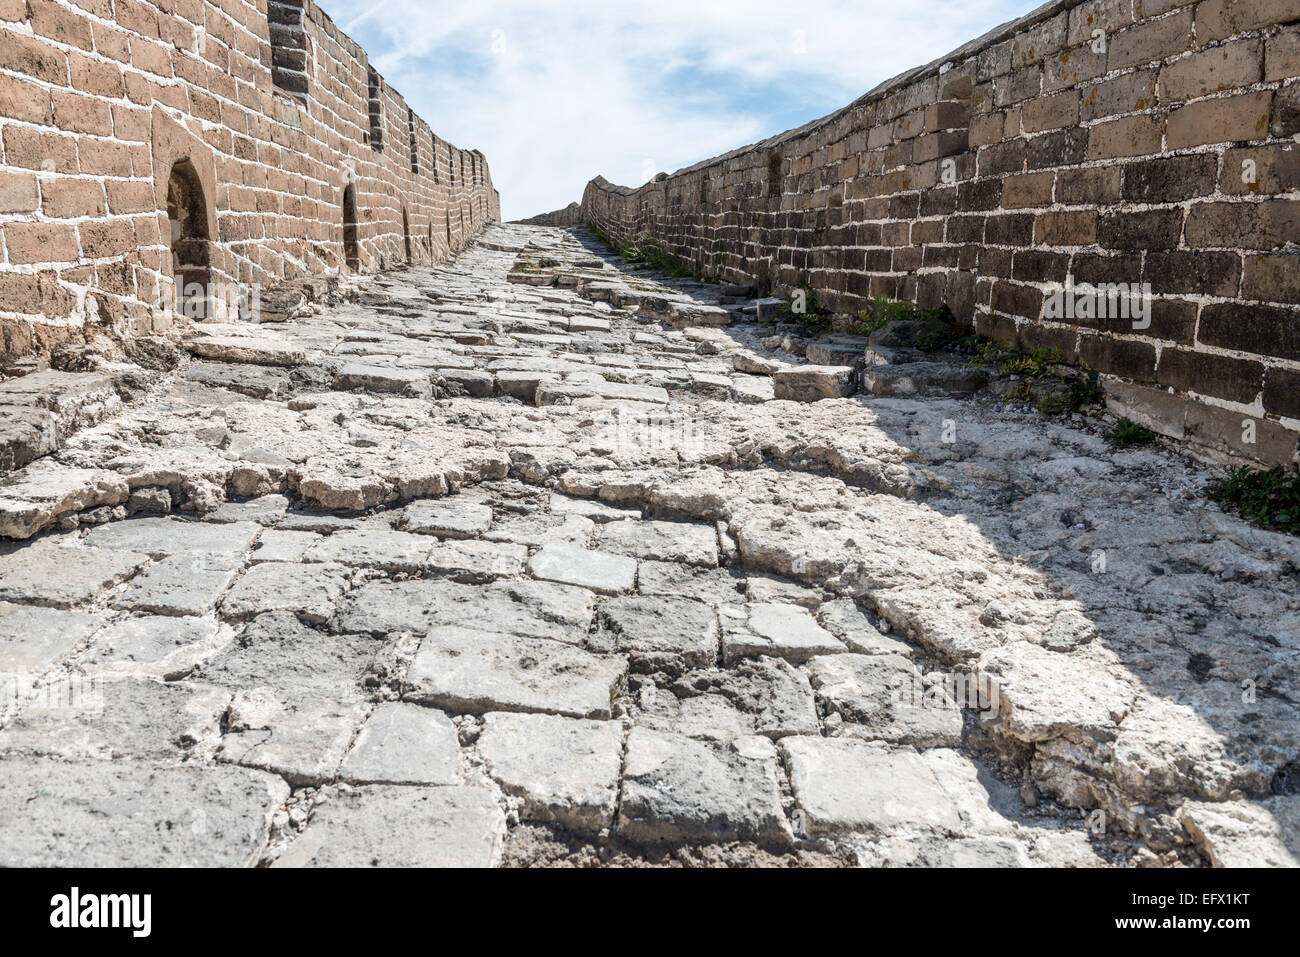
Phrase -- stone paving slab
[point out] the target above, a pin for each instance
(126, 814)
(843, 785)
(676, 788)
(783, 631)
(62, 575)
(189, 584)
(565, 770)
(465, 671)
(404, 744)
(573, 565)
(383, 826)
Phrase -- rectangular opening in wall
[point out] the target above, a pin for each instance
(410, 126)
(774, 163)
(290, 51)
(451, 164)
(433, 143)
(374, 98)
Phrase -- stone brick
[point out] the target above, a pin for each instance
(1051, 112)
(1170, 179)
(1058, 148)
(1128, 358)
(1073, 67)
(1128, 136)
(1105, 15)
(1247, 225)
(1266, 170)
(1150, 41)
(23, 100)
(1282, 392)
(1207, 273)
(64, 198)
(30, 57)
(1272, 277)
(40, 242)
(1218, 19)
(37, 149)
(1242, 327)
(1150, 229)
(1223, 377)
(1284, 120)
(1233, 119)
(1128, 93)
(1226, 67)
(1030, 189)
(1074, 228)
(1282, 55)
(1096, 184)
(18, 192)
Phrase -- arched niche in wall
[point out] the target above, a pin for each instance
(185, 190)
(351, 234)
(189, 240)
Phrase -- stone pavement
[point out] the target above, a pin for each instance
(534, 559)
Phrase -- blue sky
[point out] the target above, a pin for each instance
(556, 93)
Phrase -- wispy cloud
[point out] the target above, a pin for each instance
(555, 93)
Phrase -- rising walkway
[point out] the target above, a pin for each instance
(531, 559)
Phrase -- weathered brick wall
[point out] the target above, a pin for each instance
(268, 104)
(1109, 141)
(570, 215)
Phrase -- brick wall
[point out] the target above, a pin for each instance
(1110, 142)
(570, 215)
(266, 107)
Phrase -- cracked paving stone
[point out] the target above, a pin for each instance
(679, 789)
(160, 647)
(309, 591)
(404, 744)
(530, 609)
(565, 770)
(782, 631)
(597, 511)
(265, 510)
(180, 585)
(713, 585)
(372, 548)
(119, 718)
(161, 537)
(662, 541)
(850, 624)
(884, 697)
(60, 574)
(123, 814)
(383, 826)
(298, 696)
(475, 562)
(275, 545)
(658, 633)
(574, 565)
(847, 785)
(465, 671)
(709, 717)
(33, 639)
(446, 518)
(770, 590)
(542, 529)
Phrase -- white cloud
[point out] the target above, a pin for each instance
(554, 94)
